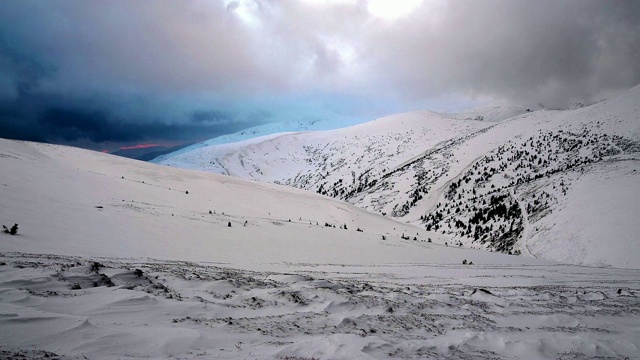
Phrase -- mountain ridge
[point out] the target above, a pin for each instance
(404, 165)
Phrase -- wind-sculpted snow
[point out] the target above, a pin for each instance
(155, 308)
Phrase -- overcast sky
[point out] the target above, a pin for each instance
(101, 74)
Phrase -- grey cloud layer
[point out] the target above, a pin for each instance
(138, 65)
(498, 47)
(547, 51)
(160, 45)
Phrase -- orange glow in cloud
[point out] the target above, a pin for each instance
(139, 146)
(147, 145)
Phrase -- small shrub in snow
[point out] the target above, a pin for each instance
(104, 281)
(12, 231)
(95, 267)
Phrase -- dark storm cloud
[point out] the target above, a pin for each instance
(99, 127)
(75, 125)
(103, 71)
(209, 116)
(176, 45)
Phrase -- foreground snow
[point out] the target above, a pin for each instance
(114, 259)
(97, 307)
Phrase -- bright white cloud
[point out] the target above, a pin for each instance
(245, 10)
(392, 9)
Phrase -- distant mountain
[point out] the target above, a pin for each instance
(560, 184)
(494, 112)
(263, 130)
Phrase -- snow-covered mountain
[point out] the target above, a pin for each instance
(264, 130)
(116, 258)
(558, 185)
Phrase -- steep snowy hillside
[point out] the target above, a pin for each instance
(116, 258)
(510, 186)
(556, 185)
(102, 205)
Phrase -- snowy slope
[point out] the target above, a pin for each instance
(102, 205)
(113, 259)
(411, 166)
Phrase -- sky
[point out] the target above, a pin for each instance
(106, 74)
